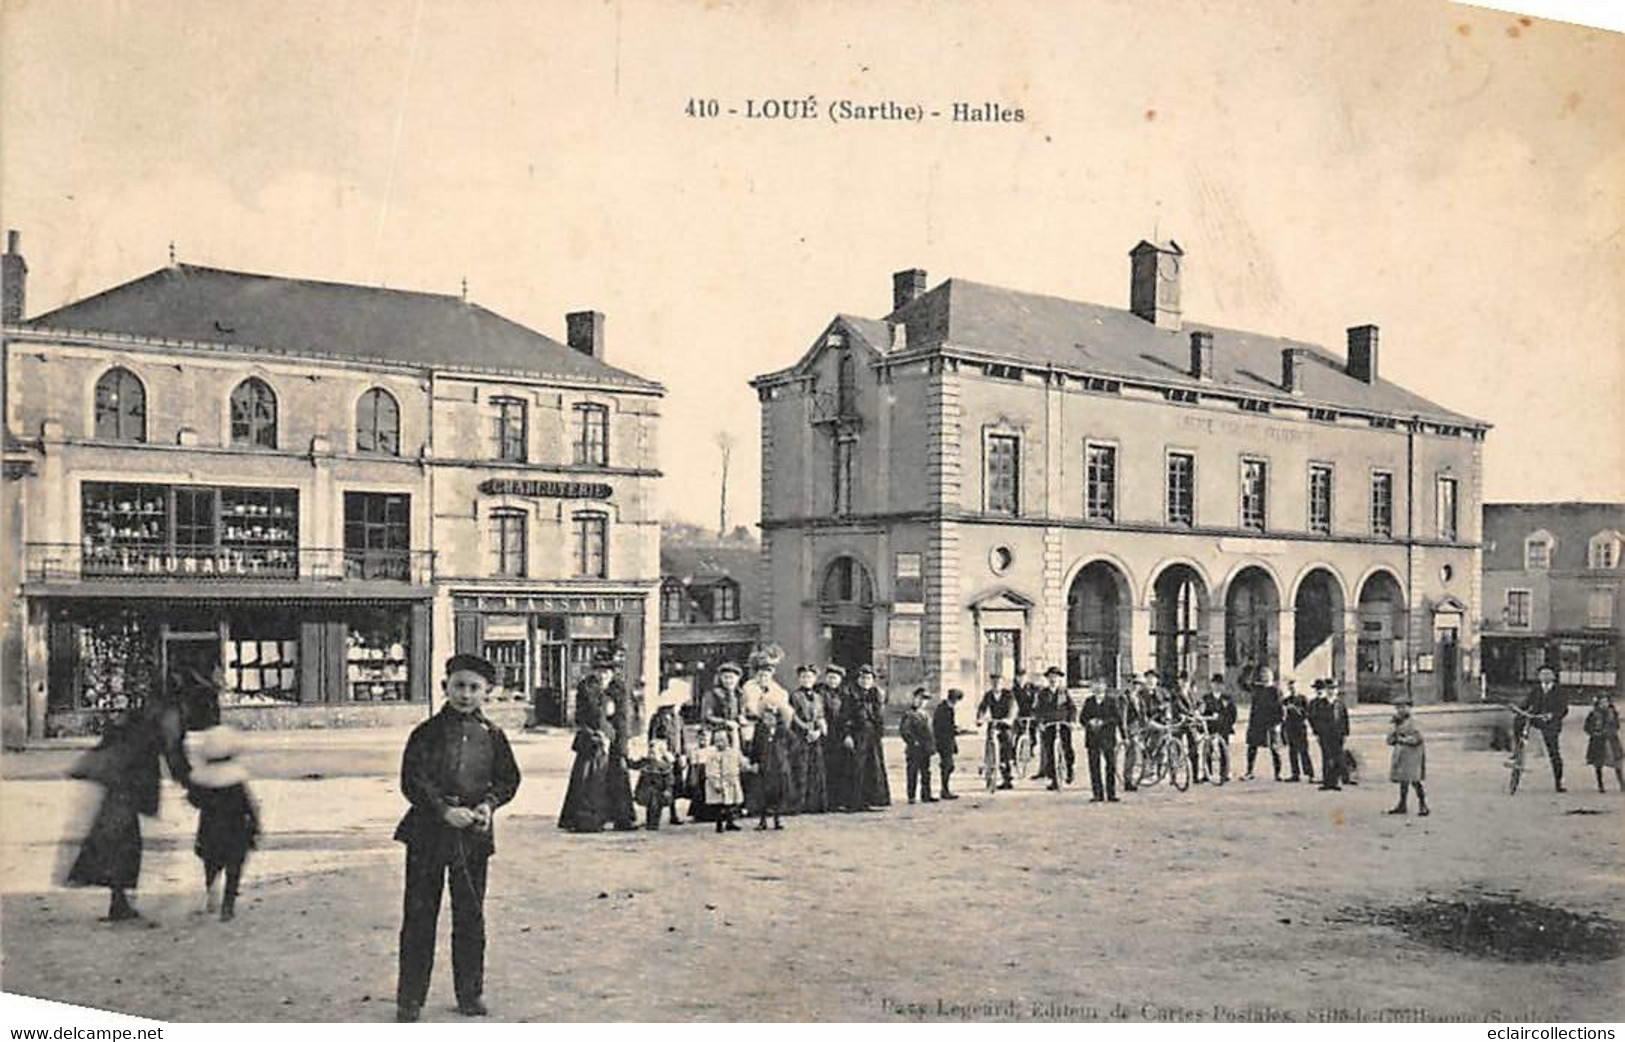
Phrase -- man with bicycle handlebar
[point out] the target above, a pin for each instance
(998, 710)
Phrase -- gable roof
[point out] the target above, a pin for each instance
(1571, 525)
(1034, 329)
(705, 565)
(298, 316)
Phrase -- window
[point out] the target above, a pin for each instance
(592, 435)
(199, 532)
(725, 603)
(673, 602)
(1320, 499)
(121, 407)
(1517, 610)
(846, 386)
(1254, 493)
(1181, 488)
(377, 535)
(508, 542)
(1600, 608)
(510, 434)
(378, 423)
(846, 581)
(1604, 551)
(1382, 504)
(1100, 496)
(843, 476)
(1003, 474)
(1537, 551)
(253, 414)
(1445, 501)
(591, 530)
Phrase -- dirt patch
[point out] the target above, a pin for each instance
(1500, 926)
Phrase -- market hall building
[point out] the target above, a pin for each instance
(986, 477)
(313, 492)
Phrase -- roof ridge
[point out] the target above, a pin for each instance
(334, 283)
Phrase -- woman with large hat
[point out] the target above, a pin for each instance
(594, 796)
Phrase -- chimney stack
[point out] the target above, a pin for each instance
(584, 330)
(1292, 370)
(13, 282)
(1362, 363)
(1153, 291)
(906, 286)
(1202, 354)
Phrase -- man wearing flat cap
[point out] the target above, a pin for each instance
(456, 771)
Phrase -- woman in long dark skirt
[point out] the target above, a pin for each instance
(806, 744)
(587, 800)
(125, 764)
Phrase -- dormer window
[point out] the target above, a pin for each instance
(1537, 551)
(1604, 551)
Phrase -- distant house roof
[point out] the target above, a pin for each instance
(1034, 329)
(706, 565)
(267, 312)
(1572, 525)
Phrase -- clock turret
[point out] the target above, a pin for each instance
(1154, 282)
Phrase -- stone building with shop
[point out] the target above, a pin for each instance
(987, 476)
(312, 492)
(1554, 594)
(709, 600)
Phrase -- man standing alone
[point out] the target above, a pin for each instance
(1550, 705)
(1102, 720)
(944, 730)
(457, 770)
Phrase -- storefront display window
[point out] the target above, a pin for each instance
(164, 531)
(108, 662)
(378, 657)
(261, 663)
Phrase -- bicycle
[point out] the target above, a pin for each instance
(1150, 745)
(991, 770)
(1060, 773)
(1207, 748)
(1520, 746)
(1024, 745)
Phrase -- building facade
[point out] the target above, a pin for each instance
(1553, 590)
(708, 610)
(987, 477)
(311, 493)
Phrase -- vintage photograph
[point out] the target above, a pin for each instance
(1100, 512)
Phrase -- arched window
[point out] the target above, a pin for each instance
(253, 414)
(846, 386)
(378, 423)
(847, 582)
(1537, 551)
(121, 406)
(1604, 551)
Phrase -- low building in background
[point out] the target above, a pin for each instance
(311, 493)
(1553, 587)
(709, 607)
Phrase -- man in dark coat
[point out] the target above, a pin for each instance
(918, 745)
(1263, 717)
(865, 715)
(1335, 727)
(1028, 723)
(998, 709)
(457, 770)
(1219, 710)
(832, 693)
(944, 731)
(1102, 719)
(1295, 729)
(1550, 705)
(1054, 712)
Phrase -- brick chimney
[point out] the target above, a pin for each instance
(584, 330)
(1292, 360)
(1362, 363)
(1201, 354)
(906, 285)
(1153, 290)
(13, 282)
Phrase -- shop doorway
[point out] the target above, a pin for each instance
(191, 665)
(1449, 642)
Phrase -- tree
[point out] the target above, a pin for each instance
(725, 442)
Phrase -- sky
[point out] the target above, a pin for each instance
(1454, 175)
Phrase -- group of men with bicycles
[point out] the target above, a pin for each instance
(1151, 730)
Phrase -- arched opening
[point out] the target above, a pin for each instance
(1095, 605)
(1317, 638)
(1380, 655)
(121, 406)
(253, 414)
(1179, 610)
(378, 423)
(1252, 632)
(846, 610)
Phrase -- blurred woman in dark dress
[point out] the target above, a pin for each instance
(125, 765)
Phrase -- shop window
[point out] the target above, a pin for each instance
(1100, 495)
(1382, 504)
(508, 543)
(1537, 551)
(1254, 494)
(254, 414)
(510, 432)
(158, 531)
(592, 436)
(1586, 663)
(378, 657)
(262, 669)
(591, 531)
(1320, 499)
(377, 535)
(1181, 489)
(106, 662)
(121, 406)
(378, 423)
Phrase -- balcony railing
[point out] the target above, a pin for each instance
(149, 562)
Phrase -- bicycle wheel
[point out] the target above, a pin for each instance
(1024, 754)
(1153, 764)
(1057, 760)
(990, 763)
(1179, 766)
(1515, 773)
(1210, 753)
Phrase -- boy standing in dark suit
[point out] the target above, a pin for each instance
(944, 730)
(457, 770)
(918, 745)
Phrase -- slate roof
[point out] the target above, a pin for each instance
(1033, 329)
(704, 565)
(339, 320)
(1507, 525)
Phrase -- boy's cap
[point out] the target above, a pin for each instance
(866, 670)
(730, 667)
(603, 660)
(954, 694)
(921, 692)
(1055, 671)
(472, 664)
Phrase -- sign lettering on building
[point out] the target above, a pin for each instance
(585, 604)
(1221, 425)
(537, 489)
